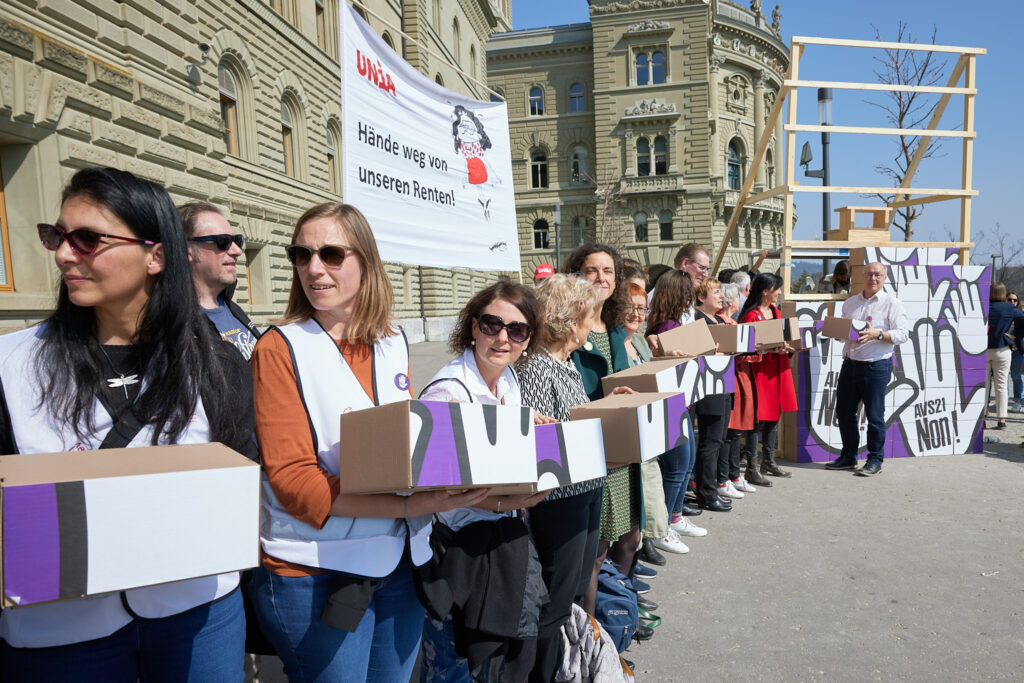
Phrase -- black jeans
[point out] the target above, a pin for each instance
(565, 532)
(729, 456)
(767, 431)
(710, 437)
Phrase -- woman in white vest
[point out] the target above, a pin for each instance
(492, 332)
(127, 355)
(335, 594)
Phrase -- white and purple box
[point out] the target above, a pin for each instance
(694, 377)
(637, 427)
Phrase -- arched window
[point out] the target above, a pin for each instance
(540, 234)
(387, 39)
(643, 157)
(228, 108)
(660, 156)
(735, 165)
(642, 69)
(579, 231)
(578, 164)
(456, 39)
(769, 169)
(576, 98)
(536, 101)
(640, 227)
(472, 61)
(538, 169)
(665, 225)
(333, 161)
(438, 79)
(288, 117)
(658, 67)
(498, 95)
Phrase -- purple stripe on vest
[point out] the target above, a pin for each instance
(31, 544)
(547, 443)
(440, 459)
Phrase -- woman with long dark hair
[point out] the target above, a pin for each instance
(335, 594)
(769, 376)
(127, 355)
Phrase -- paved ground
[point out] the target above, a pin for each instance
(916, 574)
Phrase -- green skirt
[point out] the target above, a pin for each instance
(620, 505)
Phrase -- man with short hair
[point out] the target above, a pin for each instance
(213, 251)
(867, 368)
(741, 279)
(694, 260)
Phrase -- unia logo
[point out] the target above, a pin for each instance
(79, 446)
(375, 73)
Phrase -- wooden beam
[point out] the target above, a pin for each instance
(967, 174)
(919, 200)
(882, 87)
(815, 296)
(921, 47)
(828, 244)
(865, 130)
(762, 147)
(881, 190)
(774, 192)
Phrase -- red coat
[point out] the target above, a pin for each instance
(769, 375)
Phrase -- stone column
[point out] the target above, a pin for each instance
(631, 153)
(759, 131)
(780, 150)
(714, 85)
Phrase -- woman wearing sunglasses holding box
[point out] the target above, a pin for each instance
(126, 359)
(335, 593)
(493, 330)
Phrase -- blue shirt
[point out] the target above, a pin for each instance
(1004, 317)
(231, 328)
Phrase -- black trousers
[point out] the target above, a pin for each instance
(711, 430)
(729, 456)
(565, 532)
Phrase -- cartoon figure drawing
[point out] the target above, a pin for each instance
(471, 141)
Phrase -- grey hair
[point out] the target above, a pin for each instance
(730, 292)
(741, 278)
(564, 301)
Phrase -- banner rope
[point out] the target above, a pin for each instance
(426, 49)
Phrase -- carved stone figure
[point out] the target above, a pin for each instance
(648, 25)
(776, 19)
(755, 5)
(651, 106)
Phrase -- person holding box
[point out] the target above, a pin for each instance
(771, 377)
(335, 594)
(127, 359)
(493, 330)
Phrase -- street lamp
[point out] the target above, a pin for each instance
(824, 119)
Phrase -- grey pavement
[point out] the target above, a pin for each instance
(915, 574)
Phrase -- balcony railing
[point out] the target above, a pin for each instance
(770, 203)
(672, 182)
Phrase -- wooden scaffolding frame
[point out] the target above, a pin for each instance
(905, 194)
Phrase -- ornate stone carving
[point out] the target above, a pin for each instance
(776, 19)
(736, 89)
(651, 106)
(755, 5)
(649, 25)
(597, 8)
(761, 77)
(715, 62)
(769, 102)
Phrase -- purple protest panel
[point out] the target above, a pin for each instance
(31, 544)
(436, 460)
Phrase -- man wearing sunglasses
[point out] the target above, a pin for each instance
(213, 251)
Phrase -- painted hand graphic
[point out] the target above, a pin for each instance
(968, 308)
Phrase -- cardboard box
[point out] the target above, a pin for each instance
(567, 453)
(434, 445)
(768, 333)
(637, 427)
(92, 522)
(733, 339)
(842, 329)
(694, 378)
(693, 338)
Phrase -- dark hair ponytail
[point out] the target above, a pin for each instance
(762, 282)
(174, 342)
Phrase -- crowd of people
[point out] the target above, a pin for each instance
(355, 587)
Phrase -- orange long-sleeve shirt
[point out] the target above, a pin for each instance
(302, 486)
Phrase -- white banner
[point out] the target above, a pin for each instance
(431, 169)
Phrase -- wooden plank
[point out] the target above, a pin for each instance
(762, 146)
(815, 296)
(774, 192)
(881, 190)
(823, 244)
(882, 87)
(865, 130)
(919, 200)
(967, 174)
(886, 45)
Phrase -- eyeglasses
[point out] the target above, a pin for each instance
(639, 311)
(492, 325)
(331, 255)
(222, 242)
(82, 241)
(876, 276)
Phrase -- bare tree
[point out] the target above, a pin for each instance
(608, 230)
(996, 245)
(907, 110)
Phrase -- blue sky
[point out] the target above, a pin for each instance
(992, 24)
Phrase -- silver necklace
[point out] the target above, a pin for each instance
(122, 380)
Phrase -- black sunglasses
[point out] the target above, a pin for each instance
(492, 325)
(331, 255)
(82, 241)
(222, 242)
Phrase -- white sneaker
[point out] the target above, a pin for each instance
(729, 491)
(685, 527)
(670, 544)
(742, 485)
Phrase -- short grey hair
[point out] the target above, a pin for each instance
(741, 278)
(564, 300)
(730, 292)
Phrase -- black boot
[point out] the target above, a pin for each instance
(649, 554)
(753, 475)
(769, 467)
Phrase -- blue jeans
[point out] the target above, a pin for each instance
(382, 648)
(440, 661)
(676, 470)
(1015, 366)
(206, 643)
(863, 383)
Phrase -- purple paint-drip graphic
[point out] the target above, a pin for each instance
(675, 409)
(547, 443)
(440, 459)
(31, 544)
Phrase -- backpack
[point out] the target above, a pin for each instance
(616, 608)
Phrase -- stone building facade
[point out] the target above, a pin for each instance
(639, 127)
(235, 102)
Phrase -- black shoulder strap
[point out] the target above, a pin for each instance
(126, 427)
(449, 379)
(240, 315)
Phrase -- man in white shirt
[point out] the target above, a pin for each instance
(867, 368)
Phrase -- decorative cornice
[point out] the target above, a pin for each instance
(648, 26)
(650, 107)
(597, 7)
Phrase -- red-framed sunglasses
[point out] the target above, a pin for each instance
(82, 241)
